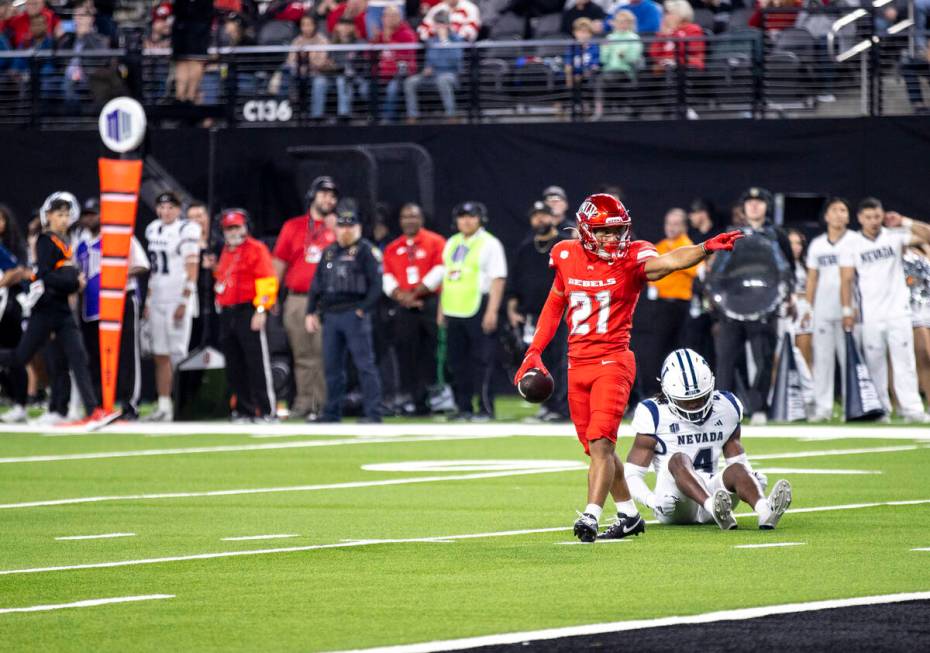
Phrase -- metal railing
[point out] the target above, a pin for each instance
(741, 73)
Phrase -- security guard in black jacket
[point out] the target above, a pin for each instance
(344, 293)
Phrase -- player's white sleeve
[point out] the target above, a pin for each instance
(190, 240)
(847, 258)
(645, 420)
(635, 480)
(811, 261)
(734, 402)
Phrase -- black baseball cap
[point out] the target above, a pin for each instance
(91, 205)
(346, 218)
(169, 197)
(539, 207)
(756, 193)
(556, 191)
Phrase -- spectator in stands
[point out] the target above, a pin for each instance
(14, 273)
(297, 253)
(190, 38)
(472, 289)
(912, 69)
(556, 199)
(622, 58)
(24, 29)
(665, 309)
(442, 67)
(527, 289)
(309, 68)
(785, 17)
(394, 65)
(583, 66)
(678, 23)
(583, 9)
(6, 13)
(349, 68)
(701, 219)
(375, 11)
(38, 38)
(413, 273)
(84, 38)
(464, 19)
(321, 11)
(354, 9)
(159, 35)
(648, 15)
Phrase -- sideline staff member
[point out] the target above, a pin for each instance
(472, 290)
(345, 291)
(412, 274)
(297, 254)
(246, 288)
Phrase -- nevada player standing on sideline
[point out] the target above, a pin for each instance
(682, 434)
(874, 261)
(823, 295)
(599, 278)
(174, 251)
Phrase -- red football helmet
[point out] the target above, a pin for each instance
(602, 210)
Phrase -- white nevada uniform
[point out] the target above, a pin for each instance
(169, 245)
(885, 311)
(829, 340)
(701, 443)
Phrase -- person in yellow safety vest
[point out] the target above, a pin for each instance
(472, 290)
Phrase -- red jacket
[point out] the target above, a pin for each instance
(407, 262)
(18, 26)
(333, 17)
(689, 53)
(388, 60)
(245, 275)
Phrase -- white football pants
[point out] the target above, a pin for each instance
(881, 339)
(829, 345)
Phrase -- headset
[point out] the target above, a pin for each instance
(74, 209)
(248, 223)
(317, 185)
(470, 207)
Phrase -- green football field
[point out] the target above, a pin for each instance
(218, 542)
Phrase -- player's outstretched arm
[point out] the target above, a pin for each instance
(919, 230)
(684, 257)
(637, 464)
(546, 327)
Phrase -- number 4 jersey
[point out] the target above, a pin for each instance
(169, 247)
(701, 443)
(601, 296)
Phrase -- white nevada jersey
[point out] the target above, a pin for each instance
(169, 245)
(702, 443)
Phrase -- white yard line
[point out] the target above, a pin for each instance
(89, 603)
(235, 448)
(768, 546)
(499, 429)
(832, 452)
(621, 626)
(291, 488)
(354, 543)
(797, 470)
(103, 536)
(282, 536)
(922, 549)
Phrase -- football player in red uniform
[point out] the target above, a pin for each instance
(598, 279)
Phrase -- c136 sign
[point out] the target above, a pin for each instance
(267, 111)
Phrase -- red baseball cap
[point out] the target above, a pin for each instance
(233, 218)
(162, 11)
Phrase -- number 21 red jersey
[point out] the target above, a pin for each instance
(601, 296)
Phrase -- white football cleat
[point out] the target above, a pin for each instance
(15, 415)
(723, 510)
(778, 501)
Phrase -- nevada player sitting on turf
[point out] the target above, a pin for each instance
(682, 434)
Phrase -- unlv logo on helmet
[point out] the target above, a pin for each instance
(600, 211)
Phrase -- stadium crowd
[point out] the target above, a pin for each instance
(430, 321)
(609, 51)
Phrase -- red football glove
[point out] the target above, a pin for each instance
(723, 241)
(532, 360)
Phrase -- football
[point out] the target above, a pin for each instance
(536, 386)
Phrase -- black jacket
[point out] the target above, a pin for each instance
(59, 280)
(347, 278)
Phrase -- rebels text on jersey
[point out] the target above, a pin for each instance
(169, 247)
(701, 443)
(601, 296)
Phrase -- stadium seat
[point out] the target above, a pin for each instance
(276, 32)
